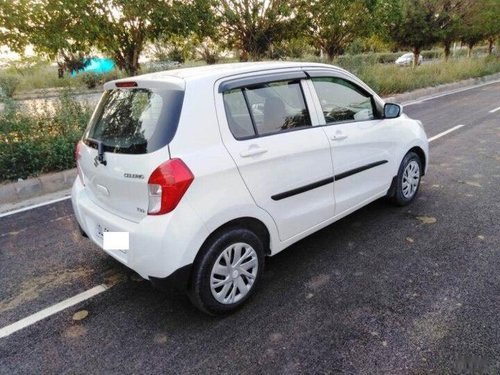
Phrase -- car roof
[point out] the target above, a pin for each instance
(218, 71)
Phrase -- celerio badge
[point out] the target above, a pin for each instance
(133, 175)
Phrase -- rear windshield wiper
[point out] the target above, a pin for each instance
(100, 150)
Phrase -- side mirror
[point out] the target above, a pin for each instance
(392, 110)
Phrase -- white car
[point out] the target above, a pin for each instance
(407, 59)
(211, 169)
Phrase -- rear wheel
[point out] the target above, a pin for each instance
(406, 184)
(227, 270)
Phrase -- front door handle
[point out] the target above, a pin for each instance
(252, 151)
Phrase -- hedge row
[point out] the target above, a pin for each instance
(34, 142)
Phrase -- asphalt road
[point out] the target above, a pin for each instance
(385, 290)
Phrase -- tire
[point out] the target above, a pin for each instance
(217, 287)
(405, 185)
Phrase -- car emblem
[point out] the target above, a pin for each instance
(96, 161)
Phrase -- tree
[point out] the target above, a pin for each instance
(451, 15)
(124, 26)
(333, 25)
(252, 26)
(119, 28)
(417, 26)
(484, 23)
(50, 26)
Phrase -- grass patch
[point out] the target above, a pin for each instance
(391, 79)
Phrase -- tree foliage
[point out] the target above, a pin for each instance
(119, 28)
(483, 23)
(253, 26)
(71, 30)
(452, 15)
(333, 25)
(417, 25)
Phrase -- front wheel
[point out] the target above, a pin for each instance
(406, 184)
(226, 272)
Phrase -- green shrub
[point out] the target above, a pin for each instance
(91, 80)
(42, 141)
(8, 85)
(432, 54)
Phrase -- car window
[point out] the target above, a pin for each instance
(341, 100)
(238, 116)
(266, 109)
(135, 121)
(277, 106)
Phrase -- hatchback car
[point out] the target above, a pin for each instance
(407, 59)
(211, 169)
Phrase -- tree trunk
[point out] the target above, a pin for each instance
(331, 52)
(471, 46)
(447, 49)
(243, 56)
(491, 42)
(416, 56)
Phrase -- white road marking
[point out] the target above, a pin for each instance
(34, 206)
(445, 132)
(23, 323)
(494, 110)
(418, 101)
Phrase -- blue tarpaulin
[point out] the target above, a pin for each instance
(97, 65)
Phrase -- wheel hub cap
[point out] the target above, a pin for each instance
(234, 273)
(411, 179)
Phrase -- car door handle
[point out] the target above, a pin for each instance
(338, 137)
(252, 151)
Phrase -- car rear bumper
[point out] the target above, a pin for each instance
(158, 245)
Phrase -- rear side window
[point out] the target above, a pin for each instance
(135, 121)
(343, 101)
(238, 117)
(266, 109)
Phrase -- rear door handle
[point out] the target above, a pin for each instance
(252, 151)
(338, 137)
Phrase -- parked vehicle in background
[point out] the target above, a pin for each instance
(407, 59)
(211, 169)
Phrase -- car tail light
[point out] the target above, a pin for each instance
(167, 185)
(77, 159)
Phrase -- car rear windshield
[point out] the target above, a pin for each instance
(135, 121)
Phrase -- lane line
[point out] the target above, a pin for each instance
(494, 110)
(437, 136)
(32, 319)
(418, 101)
(34, 206)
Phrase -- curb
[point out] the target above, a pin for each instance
(53, 182)
(33, 187)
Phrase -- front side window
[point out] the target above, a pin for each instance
(266, 109)
(343, 101)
